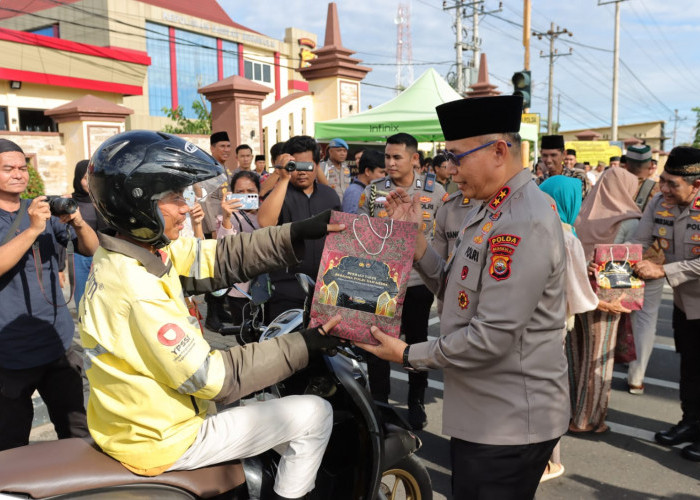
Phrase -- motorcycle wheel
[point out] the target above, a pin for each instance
(407, 480)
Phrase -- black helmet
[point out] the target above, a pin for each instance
(130, 171)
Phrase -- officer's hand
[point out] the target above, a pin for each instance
(402, 207)
(39, 213)
(647, 270)
(314, 228)
(389, 348)
(318, 339)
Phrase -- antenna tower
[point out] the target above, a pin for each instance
(404, 52)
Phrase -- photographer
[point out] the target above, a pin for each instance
(305, 198)
(36, 329)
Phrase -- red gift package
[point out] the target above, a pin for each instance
(363, 276)
(614, 276)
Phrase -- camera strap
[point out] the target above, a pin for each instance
(71, 271)
(23, 207)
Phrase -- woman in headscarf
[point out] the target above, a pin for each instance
(608, 215)
(92, 218)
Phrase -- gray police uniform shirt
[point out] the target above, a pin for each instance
(373, 200)
(338, 178)
(676, 230)
(449, 221)
(503, 321)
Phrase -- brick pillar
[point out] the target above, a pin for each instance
(236, 108)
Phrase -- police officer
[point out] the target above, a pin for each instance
(671, 223)
(400, 155)
(506, 390)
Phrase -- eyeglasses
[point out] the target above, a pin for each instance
(454, 159)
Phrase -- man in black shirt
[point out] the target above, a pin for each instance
(296, 196)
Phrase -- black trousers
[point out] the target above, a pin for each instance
(686, 333)
(414, 325)
(60, 385)
(491, 472)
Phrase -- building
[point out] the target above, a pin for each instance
(148, 56)
(651, 133)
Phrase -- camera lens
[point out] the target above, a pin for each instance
(290, 166)
(61, 206)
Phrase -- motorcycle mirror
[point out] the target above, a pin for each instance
(306, 283)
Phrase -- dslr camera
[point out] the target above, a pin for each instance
(301, 166)
(61, 206)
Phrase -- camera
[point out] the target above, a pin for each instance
(301, 166)
(61, 206)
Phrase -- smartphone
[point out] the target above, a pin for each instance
(249, 200)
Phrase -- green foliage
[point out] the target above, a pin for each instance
(199, 125)
(35, 186)
(696, 138)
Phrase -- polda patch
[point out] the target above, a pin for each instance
(500, 267)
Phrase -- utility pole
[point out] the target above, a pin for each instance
(477, 9)
(616, 67)
(552, 34)
(676, 119)
(404, 51)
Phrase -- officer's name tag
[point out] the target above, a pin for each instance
(380, 199)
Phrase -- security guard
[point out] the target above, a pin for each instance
(400, 154)
(506, 389)
(671, 223)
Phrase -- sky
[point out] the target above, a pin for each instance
(659, 60)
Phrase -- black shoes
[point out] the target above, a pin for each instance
(683, 432)
(692, 452)
(416, 415)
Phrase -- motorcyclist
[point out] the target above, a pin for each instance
(152, 374)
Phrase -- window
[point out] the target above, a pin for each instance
(50, 30)
(259, 72)
(196, 67)
(3, 118)
(158, 48)
(34, 120)
(230, 57)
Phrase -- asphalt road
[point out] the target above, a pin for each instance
(625, 463)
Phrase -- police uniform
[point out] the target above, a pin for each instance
(506, 398)
(339, 178)
(416, 306)
(449, 221)
(676, 231)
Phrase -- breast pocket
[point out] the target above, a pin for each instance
(463, 286)
(691, 244)
(663, 231)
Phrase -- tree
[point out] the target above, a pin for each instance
(199, 125)
(696, 138)
(35, 186)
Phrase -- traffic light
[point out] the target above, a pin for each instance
(521, 86)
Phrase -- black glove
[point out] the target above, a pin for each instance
(317, 343)
(313, 228)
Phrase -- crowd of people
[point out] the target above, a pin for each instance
(526, 345)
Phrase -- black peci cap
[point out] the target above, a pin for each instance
(683, 160)
(476, 116)
(552, 142)
(218, 137)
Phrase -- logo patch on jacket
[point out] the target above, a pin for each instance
(505, 239)
(465, 272)
(500, 267)
(170, 334)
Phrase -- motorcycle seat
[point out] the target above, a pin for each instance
(70, 465)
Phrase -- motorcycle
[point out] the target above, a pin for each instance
(371, 453)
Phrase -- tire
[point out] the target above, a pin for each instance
(408, 480)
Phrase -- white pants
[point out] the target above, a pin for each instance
(644, 328)
(297, 427)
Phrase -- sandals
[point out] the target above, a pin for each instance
(552, 471)
(601, 429)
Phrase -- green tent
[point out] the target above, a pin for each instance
(412, 111)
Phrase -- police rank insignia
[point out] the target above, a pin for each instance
(444, 197)
(696, 218)
(696, 203)
(465, 272)
(462, 299)
(500, 197)
(664, 213)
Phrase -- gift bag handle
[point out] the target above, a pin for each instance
(389, 230)
(627, 256)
